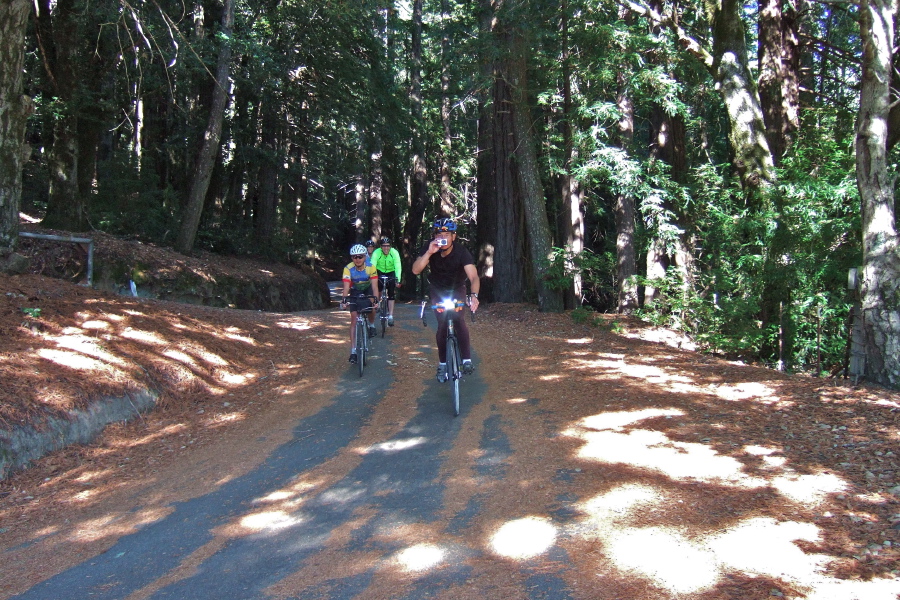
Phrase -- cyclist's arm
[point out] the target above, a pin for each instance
(397, 265)
(474, 286)
(419, 265)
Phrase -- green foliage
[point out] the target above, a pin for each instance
(34, 313)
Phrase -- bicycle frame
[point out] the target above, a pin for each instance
(445, 309)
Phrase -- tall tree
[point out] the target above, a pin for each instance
(571, 192)
(15, 108)
(528, 176)
(419, 187)
(624, 209)
(210, 149)
(58, 29)
(880, 292)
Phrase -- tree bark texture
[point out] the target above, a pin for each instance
(533, 203)
(266, 208)
(447, 208)
(731, 71)
(207, 158)
(624, 209)
(880, 289)
(779, 78)
(571, 192)
(60, 38)
(419, 183)
(15, 108)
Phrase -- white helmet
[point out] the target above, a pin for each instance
(358, 249)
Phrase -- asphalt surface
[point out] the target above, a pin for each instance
(399, 486)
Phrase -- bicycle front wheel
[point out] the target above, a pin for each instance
(361, 346)
(453, 370)
(384, 317)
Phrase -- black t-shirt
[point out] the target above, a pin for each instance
(447, 272)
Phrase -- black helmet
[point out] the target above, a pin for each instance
(369, 243)
(444, 225)
(385, 241)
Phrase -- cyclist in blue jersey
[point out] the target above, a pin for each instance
(360, 282)
(450, 265)
(370, 249)
(387, 261)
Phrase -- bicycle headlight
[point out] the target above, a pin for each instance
(448, 304)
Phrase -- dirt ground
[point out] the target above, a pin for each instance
(707, 447)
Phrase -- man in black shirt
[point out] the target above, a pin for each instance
(449, 268)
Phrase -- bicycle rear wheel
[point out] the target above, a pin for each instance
(453, 371)
(383, 313)
(361, 345)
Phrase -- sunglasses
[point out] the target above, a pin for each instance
(355, 256)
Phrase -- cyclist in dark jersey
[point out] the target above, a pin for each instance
(450, 265)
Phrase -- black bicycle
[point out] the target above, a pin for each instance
(362, 335)
(445, 310)
(384, 312)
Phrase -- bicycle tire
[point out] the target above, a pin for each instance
(384, 317)
(453, 370)
(360, 346)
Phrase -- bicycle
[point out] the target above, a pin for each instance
(445, 309)
(362, 335)
(383, 311)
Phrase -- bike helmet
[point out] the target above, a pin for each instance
(444, 225)
(386, 240)
(358, 249)
(369, 243)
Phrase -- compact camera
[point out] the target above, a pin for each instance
(443, 242)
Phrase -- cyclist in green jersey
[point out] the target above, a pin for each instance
(387, 261)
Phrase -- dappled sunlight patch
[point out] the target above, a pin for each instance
(606, 440)
(96, 324)
(809, 489)
(269, 521)
(75, 360)
(517, 400)
(236, 378)
(421, 557)
(297, 325)
(682, 563)
(665, 557)
(181, 357)
(146, 337)
(87, 346)
(524, 538)
(579, 341)
(394, 445)
(113, 525)
(620, 419)
(745, 391)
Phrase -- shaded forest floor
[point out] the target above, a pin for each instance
(808, 460)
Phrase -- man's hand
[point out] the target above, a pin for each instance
(473, 303)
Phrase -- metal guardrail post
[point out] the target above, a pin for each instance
(70, 239)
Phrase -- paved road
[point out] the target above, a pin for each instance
(399, 486)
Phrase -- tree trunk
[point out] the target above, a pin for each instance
(14, 111)
(534, 205)
(624, 210)
(266, 213)
(65, 205)
(572, 195)
(779, 66)
(447, 208)
(376, 195)
(207, 159)
(880, 291)
(731, 71)
(419, 188)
